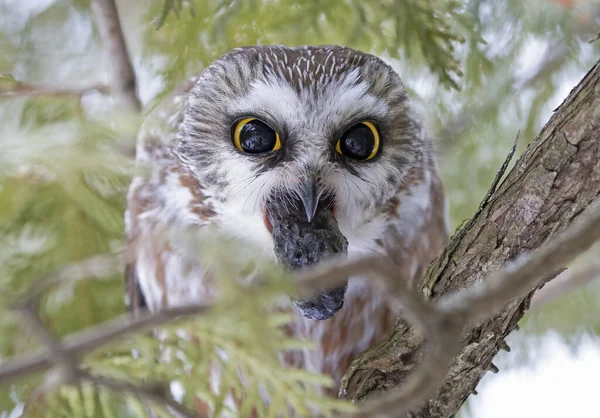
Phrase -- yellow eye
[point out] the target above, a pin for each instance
(254, 136)
(360, 142)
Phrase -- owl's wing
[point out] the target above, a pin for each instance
(418, 227)
(163, 195)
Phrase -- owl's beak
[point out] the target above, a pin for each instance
(309, 196)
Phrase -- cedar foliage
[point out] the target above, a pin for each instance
(63, 175)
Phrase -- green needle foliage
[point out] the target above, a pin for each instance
(240, 339)
(64, 175)
(426, 31)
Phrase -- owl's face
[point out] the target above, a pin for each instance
(299, 149)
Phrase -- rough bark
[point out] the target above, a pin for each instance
(555, 179)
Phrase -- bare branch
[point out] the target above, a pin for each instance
(123, 76)
(567, 281)
(443, 322)
(423, 382)
(453, 313)
(21, 88)
(67, 365)
(101, 266)
(446, 322)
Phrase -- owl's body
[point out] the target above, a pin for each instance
(194, 176)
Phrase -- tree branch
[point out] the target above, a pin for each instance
(444, 323)
(567, 281)
(540, 197)
(21, 88)
(66, 362)
(123, 82)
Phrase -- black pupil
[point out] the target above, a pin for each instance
(257, 137)
(358, 142)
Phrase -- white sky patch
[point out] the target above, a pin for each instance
(558, 380)
(177, 391)
(20, 12)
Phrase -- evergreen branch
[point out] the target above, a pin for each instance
(70, 372)
(66, 364)
(156, 393)
(80, 343)
(123, 82)
(442, 322)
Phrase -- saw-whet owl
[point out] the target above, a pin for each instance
(306, 153)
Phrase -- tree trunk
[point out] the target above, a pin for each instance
(556, 178)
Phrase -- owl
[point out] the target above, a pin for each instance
(306, 153)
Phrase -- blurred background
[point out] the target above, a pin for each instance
(478, 71)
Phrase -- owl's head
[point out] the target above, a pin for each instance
(299, 149)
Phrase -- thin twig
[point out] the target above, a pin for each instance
(466, 226)
(102, 266)
(567, 281)
(66, 364)
(65, 359)
(123, 82)
(500, 173)
(21, 88)
(71, 373)
(443, 335)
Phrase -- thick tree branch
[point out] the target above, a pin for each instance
(444, 322)
(553, 182)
